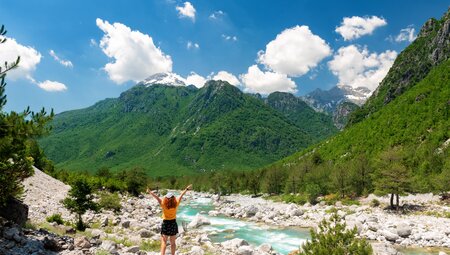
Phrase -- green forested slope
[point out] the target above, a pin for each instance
(171, 130)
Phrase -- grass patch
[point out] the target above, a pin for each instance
(150, 245)
(55, 218)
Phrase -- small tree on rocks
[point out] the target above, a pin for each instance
(333, 239)
(79, 201)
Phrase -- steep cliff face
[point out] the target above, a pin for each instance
(342, 113)
(431, 48)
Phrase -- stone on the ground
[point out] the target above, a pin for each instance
(245, 250)
(198, 221)
(133, 249)
(403, 230)
(196, 250)
(82, 242)
(108, 245)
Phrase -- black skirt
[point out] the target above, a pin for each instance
(169, 227)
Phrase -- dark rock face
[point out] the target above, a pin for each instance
(342, 112)
(15, 211)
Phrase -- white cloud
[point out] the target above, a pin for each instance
(228, 77)
(66, 63)
(29, 58)
(217, 15)
(196, 80)
(230, 37)
(357, 67)
(186, 11)
(294, 51)
(257, 81)
(135, 55)
(355, 27)
(406, 34)
(191, 45)
(52, 86)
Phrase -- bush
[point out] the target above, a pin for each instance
(55, 218)
(163, 192)
(313, 191)
(110, 201)
(332, 238)
(348, 201)
(374, 203)
(299, 199)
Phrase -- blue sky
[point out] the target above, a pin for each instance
(76, 53)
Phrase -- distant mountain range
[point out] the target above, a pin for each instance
(169, 128)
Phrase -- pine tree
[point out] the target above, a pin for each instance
(79, 200)
(16, 131)
(392, 176)
(333, 239)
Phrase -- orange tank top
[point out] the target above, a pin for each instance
(169, 214)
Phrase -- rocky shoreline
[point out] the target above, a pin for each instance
(135, 229)
(385, 228)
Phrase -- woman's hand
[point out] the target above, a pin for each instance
(189, 187)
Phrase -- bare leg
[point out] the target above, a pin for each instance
(173, 245)
(163, 244)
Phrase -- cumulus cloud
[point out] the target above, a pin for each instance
(196, 80)
(29, 58)
(294, 52)
(186, 11)
(406, 34)
(191, 45)
(226, 76)
(355, 27)
(216, 15)
(357, 67)
(257, 81)
(52, 86)
(66, 63)
(135, 55)
(230, 37)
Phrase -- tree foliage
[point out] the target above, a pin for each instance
(17, 132)
(392, 176)
(79, 200)
(332, 238)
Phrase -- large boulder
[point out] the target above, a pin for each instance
(233, 244)
(245, 250)
(389, 235)
(198, 221)
(403, 230)
(108, 245)
(250, 211)
(196, 250)
(15, 211)
(82, 242)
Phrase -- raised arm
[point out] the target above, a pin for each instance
(154, 195)
(184, 192)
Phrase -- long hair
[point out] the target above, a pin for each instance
(170, 202)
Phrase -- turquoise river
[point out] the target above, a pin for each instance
(283, 240)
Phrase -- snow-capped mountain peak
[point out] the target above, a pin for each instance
(168, 78)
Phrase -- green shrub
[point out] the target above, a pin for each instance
(374, 203)
(348, 201)
(110, 201)
(55, 218)
(163, 192)
(313, 191)
(299, 199)
(149, 245)
(332, 238)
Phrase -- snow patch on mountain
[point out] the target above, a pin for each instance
(168, 78)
